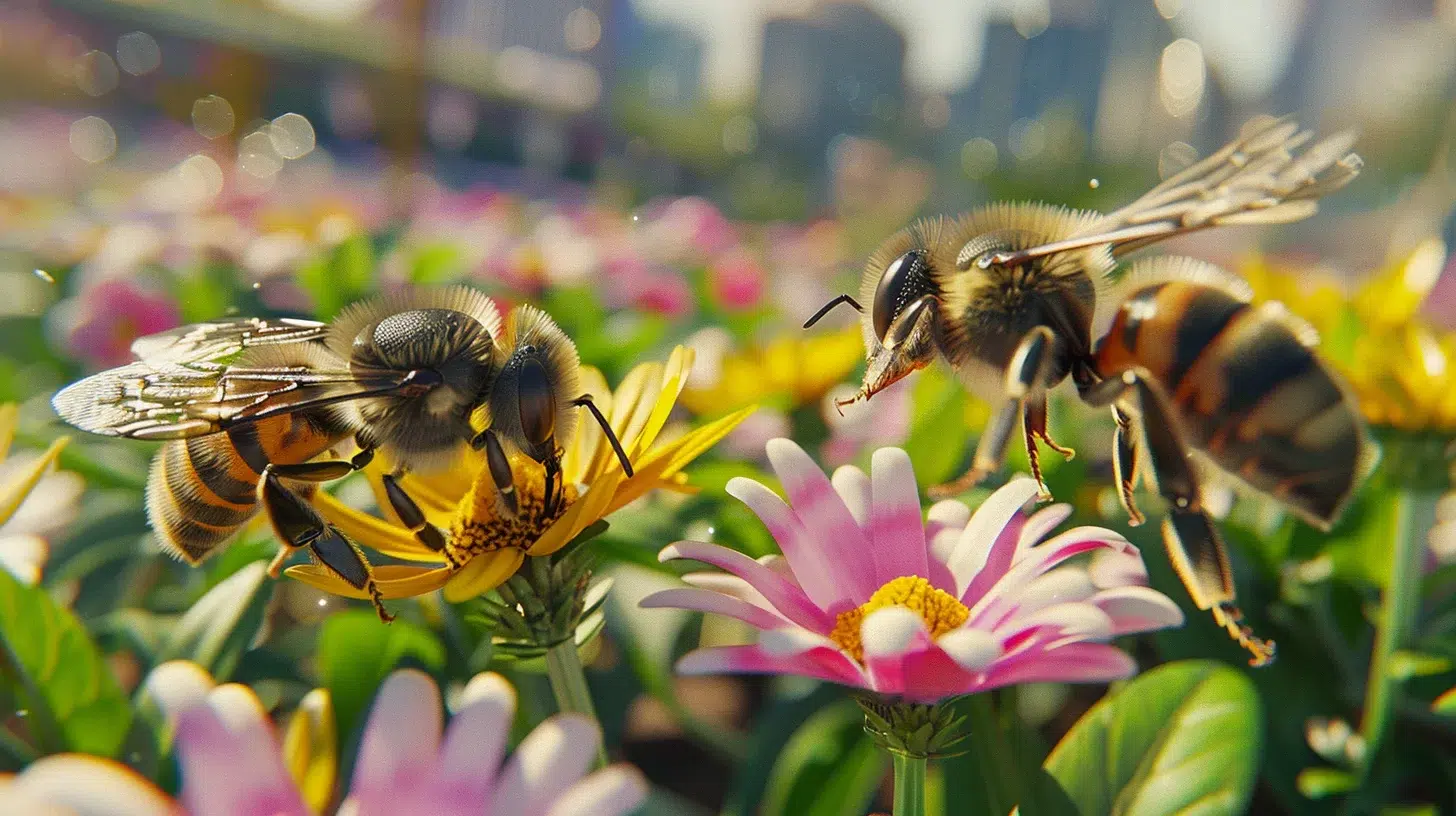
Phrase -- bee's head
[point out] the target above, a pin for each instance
(531, 402)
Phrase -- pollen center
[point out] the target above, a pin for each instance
(938, 608)
(483, 523)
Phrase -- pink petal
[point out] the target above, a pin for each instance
(987, 546)
(1076, 663)
(899, 537)
(833, 530)
(401, 741)
(933, 675)
(230, 760)
(1114, 569)
(821, 664)
(1057, 625)
(550, 758)
(888, 635)
(943, 525)
(853, 486)
(1041, 523)
(1041, 559)
(703, 600)
(613, 791)
(808, 561)
(730, 585)
(1138, 609)
(178, 685)
(787, 599)
(971, 649)
(81, 785)
(1067, 583)
(475, 741)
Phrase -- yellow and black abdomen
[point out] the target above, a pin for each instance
(1247, 388)
(203, 489)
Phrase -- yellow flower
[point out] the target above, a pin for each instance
(311, 748)
(1405, 378)
(485, 546)
(1312, 293)
(796, 367)
(22, 550)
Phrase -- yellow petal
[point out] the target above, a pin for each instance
(373, 532)
(675, 377)
(311, 749)
(9, 415)
(484, 573)
(664, 462)
(588, 438)
(394, 581)
(14, 491)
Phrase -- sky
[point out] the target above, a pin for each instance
(1248, 40)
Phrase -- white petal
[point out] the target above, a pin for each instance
(402, 738)
(943, 525)
(891, 631)
(1041, 523)
(1138, 609)
(551, 758)
(612, 791)
(853, 486)
(1063, 623)
(1061, 585)
(791, 641)
(971, 648)
(984, 527)
(178, 685)
(80, 785)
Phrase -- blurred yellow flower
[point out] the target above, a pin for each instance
(23, 548)
(1405, 378)
(485, 546)
(1311, 293)
(792, 370)
(311, 748)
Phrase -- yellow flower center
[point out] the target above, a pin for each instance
(939, 609)
(482, 523)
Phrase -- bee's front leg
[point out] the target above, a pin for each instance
(298, 525)
(1025, 377)
(500, 468)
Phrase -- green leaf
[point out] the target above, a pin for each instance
(356, 651)
(1184, 736)
(340, 277)
(828, 768)
(938, 431)
(436, 263)
(1322, 783)
(50, 666)
(223, 623)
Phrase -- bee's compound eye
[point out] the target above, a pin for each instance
(902, 281)
(537, 401)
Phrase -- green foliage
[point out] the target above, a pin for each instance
(356, 651)
(223, 623)
(339, 276)
(1182, 737)
(52, 670)
(829, 767)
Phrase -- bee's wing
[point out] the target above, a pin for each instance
(179, 392)
(223, 339)
(1259, 178)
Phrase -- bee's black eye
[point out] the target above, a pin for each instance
(537, 401)
(903, 280)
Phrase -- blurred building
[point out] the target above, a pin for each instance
(840, 70)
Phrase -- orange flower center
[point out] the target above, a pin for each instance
(939, 609)
(483, 524)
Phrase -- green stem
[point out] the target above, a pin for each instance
(1413, 511)
(568, 684)
(909, 784)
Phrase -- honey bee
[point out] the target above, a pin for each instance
(1202, 384)
(248, 407)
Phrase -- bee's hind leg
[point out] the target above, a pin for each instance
(1024, 378)
(1194, 547)
(298, 525)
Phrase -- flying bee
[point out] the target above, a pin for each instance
(248, 408)
(1201, 383)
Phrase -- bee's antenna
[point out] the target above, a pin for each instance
(828, 307)
(585, 400)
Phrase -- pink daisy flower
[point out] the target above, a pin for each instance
(867, 595)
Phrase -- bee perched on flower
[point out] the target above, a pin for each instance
(484, 544)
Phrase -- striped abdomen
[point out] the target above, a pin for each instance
(202, 489)
(1247, 389)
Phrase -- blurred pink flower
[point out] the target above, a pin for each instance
(232, 764)
(1440, 305)
(737, 279)
(857, 426)
(868, 596)
(109, 314)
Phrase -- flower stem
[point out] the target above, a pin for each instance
(909, 784)
(1413, 512)
(568, 684)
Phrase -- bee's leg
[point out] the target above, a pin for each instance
(1023, 383)
(1036, 419)
(555, 487)
(1124, 464)
(500, 468)
(410, 514)
(1194, 547)
(297, 524)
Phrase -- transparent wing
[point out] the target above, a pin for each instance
(1266, 176)
(222, 340)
